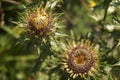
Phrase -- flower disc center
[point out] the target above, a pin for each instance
(81, 59)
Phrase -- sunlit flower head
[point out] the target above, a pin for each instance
(39, 22)
(81, 59)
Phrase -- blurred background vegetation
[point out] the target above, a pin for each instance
(98, 20)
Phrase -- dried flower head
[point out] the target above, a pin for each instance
(39, 22)
(80, 59)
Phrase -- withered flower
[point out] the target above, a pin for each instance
(39, 22)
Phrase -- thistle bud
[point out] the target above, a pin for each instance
(38, 22)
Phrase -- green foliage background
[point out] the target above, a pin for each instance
(96, 20)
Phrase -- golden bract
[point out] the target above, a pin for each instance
(81, 59)
(39, 22)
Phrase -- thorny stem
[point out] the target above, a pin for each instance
(105, 13)
(37, 64)
(114, 46)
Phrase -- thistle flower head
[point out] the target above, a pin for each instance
(80, 59)
(39, 22)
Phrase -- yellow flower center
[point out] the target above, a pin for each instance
(80, 59)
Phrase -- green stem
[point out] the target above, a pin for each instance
(105, 13)
(114, 46)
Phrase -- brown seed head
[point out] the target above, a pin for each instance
(39, 22)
